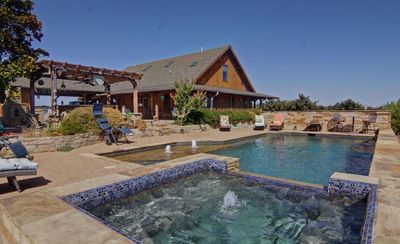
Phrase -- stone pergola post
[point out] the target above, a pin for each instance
(135, 101)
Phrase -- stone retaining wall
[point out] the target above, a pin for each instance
(56, 143)
(298, 120)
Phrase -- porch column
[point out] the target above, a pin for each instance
(32, 96)
(135, 101)
(108, 90)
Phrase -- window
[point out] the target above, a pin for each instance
(225, 72)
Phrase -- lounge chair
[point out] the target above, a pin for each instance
(259, 123)
(224, 123)
(18, 149)
(13, 167)
(97, 110)
(8, 130)
(278, 123)
(112, 134)
(314, 125)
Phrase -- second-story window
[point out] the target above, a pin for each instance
(225, 72)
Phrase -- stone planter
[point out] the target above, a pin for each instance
(57, 143)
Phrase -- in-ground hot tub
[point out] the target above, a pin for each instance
(201, 202)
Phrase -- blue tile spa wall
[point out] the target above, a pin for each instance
(100, 195)
(358, 190)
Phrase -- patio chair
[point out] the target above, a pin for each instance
(112, 134)
(336, 123)
(314, 125)
(224, 123)
(7, 130)
(19, 150)
(259, 123)
(278, 122)
(369, 123)
(97, 110)
(13, 167)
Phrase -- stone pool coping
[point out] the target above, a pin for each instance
(160, 145)
(41, 217)
(386, 166)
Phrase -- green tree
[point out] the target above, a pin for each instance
(304, 103)
(394, 107)
(19, 28)
(347, 104)
(186, 101)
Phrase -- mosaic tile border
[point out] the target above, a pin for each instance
(352, 189)
(100, 195)
(359, 190)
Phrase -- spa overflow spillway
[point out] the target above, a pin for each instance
(311, 159)
(212, 208)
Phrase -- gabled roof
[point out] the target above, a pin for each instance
(162, 74)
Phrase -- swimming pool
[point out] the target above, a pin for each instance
(210, 207)
(305, 158)
(311, 159)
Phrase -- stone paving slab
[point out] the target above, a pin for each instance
(68, 227)
(386, 166)
(26, 209)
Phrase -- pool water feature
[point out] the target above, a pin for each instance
(209, 207)
(311, 159)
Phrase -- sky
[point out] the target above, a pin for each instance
(328, 50)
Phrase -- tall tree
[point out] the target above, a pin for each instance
(19, 28)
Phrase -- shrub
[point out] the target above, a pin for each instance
(114, 117)
(81, 120)
(211, 117)
(394, 107)
(186, 101)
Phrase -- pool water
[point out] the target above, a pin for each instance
(214, 208)
(305, 158)
(311, 159)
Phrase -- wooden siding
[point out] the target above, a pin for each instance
(237, 80)
(234, 81)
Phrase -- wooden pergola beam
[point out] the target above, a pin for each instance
(62, 70)
(80, 72)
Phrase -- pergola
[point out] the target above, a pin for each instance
(75, 72)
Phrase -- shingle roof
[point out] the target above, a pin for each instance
(162, 74)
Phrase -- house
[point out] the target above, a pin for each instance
(217, 71)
